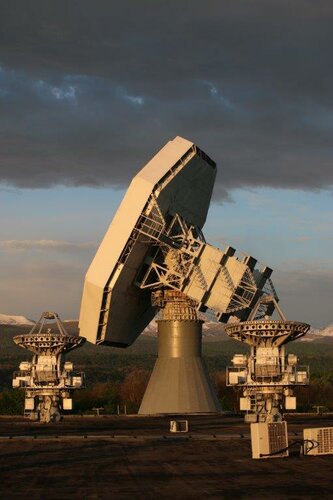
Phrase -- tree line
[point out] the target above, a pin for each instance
(116, 394)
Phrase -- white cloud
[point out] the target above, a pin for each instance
(64, 93)
(137, 100)
(215, 93)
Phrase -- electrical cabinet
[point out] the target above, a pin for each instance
(269, 440)
(318, 441)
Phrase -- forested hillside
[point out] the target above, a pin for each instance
(119, 376)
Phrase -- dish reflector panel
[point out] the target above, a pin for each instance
(178, 180)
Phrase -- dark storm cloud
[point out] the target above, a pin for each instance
(90, 90)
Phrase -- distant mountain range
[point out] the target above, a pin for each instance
(211, 331)
(320, 334)
(215, 331)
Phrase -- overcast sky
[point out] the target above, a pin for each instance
(90, 90)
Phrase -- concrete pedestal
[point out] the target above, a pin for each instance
(179, 382)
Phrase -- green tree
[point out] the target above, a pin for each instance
(11, 402)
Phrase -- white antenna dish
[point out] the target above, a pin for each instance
(267, 375)
(48, 380)
(179, 179)
(155, 255)
(155, 241)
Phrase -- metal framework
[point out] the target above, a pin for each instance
(48, 380)
(267, 375)
(177, 261)
(155, 241)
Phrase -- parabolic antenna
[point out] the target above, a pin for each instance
(178, 180)
(154, 255)
(267, 375)
(155, 241)
(48, 380)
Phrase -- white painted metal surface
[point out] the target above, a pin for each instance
(155, 241)
(48, 381)
(318, 441)
(269, 440)
(179, 179)
(155, 245)
(267, 375)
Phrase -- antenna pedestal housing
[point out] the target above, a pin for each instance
(268, 374)
(48, 380)
(180, 381)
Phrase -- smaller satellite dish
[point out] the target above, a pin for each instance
(267, 375)
(48, 381)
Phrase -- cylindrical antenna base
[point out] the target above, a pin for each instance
(179, 382)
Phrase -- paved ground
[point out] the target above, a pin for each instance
(144, 461)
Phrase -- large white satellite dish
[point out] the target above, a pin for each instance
(154, 255)
(179, 179)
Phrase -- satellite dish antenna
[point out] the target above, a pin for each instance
(154, 255)
(48, 380)
(267, 375)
